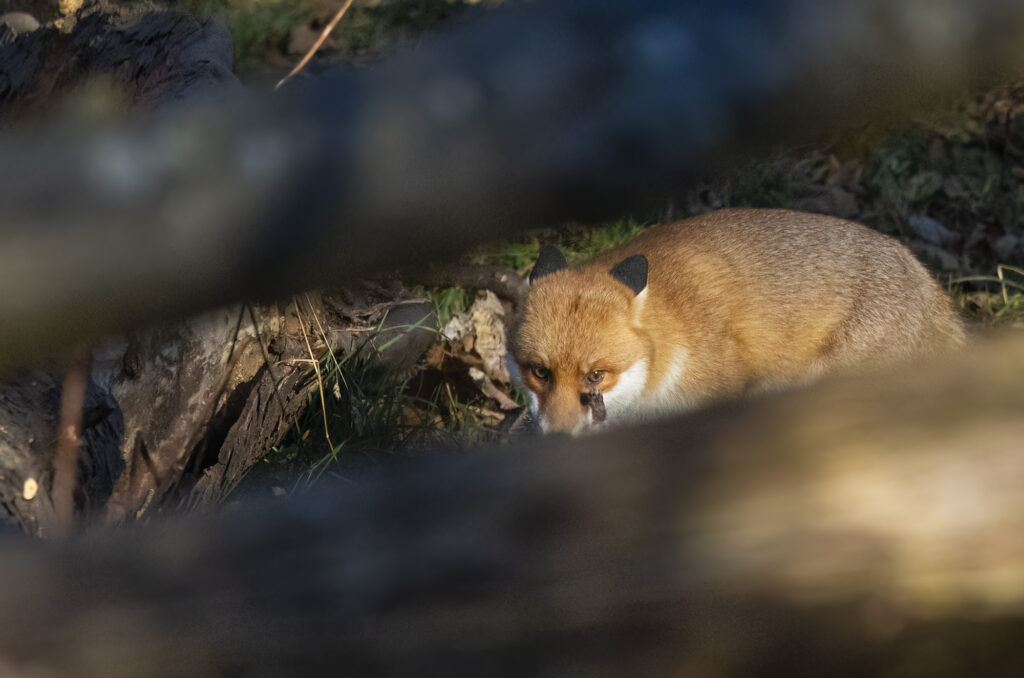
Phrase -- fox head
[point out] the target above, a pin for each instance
(579, 343)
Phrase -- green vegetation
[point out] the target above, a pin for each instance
(449, 302)
(993, 309)
(579, 243)
(363, 414)
(276, 32)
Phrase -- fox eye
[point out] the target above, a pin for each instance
(595, 377)
(542, 373)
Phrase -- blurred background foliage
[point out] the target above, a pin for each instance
(271, 33)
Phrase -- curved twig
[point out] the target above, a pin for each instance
(316, 45)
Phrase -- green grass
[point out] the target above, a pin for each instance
(988, 307)
(583, 243)
(578, 242)
(991, 310)
(449, 302)
(261, 29)
(364, 414)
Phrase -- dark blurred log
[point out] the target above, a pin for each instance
(871, 525)
(525, 117)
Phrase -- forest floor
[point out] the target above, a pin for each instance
(948, 184)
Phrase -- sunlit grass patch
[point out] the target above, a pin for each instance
(989, 307)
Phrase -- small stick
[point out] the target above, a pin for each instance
(69, 439)
(316, 45)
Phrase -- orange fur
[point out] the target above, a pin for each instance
(736, 300)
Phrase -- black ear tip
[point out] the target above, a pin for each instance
(632, 272)
(549, 260)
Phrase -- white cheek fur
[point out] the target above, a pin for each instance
(666, 395)
(624, 400)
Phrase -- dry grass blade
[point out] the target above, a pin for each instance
(316, 45)
(1002, 280)
(266, 361)
(319, 376)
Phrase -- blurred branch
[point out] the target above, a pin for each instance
(69, 438)
(527, 117)
(844, 530)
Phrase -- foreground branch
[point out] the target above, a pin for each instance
(838, 530)
(526, 117)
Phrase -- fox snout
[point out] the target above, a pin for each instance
(564, 412)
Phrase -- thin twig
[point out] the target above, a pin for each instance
(323, 333)
(1002, 281)
(987, 278)
(316, 45)
(69, 439)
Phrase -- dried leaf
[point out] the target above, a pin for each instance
(488, 315)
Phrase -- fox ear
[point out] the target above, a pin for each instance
(632, 272)
(549, 260)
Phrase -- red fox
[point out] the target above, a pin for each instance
(731, 302)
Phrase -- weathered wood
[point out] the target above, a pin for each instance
(202, 405)
(870, 524)
(178, 414)
(29, 405)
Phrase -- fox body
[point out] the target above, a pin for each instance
(730, 302)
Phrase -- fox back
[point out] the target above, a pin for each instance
(734, 301)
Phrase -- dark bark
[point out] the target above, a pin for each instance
(202, 405)
(29, 407)
(149, 59)
(868, 525)
(505, 283)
